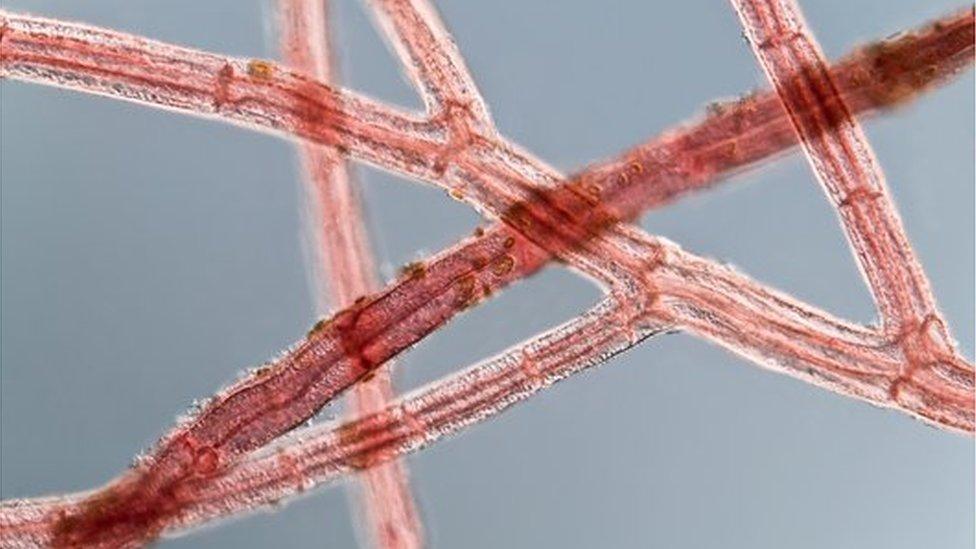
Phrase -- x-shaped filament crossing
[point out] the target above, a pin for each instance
(224, 459)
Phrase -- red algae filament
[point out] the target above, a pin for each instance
(557, 220)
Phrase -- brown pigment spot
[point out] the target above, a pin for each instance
(260, 69)
(466, 290)
(503, 265)
(414, 270)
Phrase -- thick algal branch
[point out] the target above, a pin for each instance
(345, 270)
(846, 166)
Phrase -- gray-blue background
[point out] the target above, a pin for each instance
(147, 257)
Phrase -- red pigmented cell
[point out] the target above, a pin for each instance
(206, 460)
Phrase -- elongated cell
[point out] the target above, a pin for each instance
(346, 270)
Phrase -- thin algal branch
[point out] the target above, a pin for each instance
(847, 168)
(432, 60)
(343, 261)
(344, 269)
